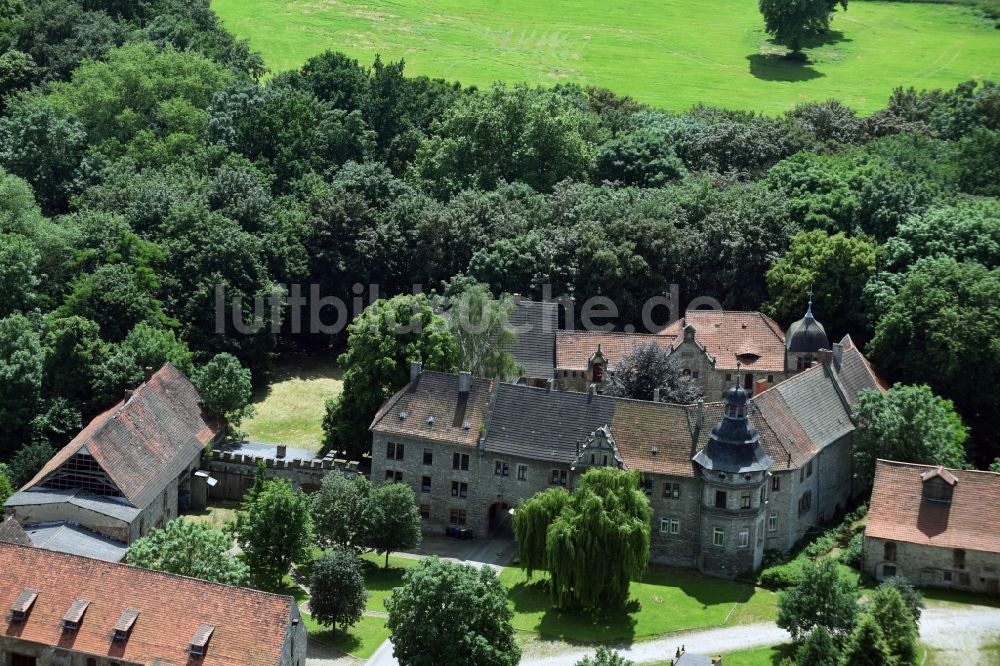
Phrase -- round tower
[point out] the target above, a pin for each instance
(734, 469)
(804, 339)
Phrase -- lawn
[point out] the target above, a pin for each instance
(361, 641)
(668, 53)
(291, 406)
(666, 601)
(215, 515)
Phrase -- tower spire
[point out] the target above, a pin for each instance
(809, 310)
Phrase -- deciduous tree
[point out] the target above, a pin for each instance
(337, 589)
(393, 519)
(649, 367)
(605, 657)
(824, 598)
(340, 512)
(479, 324)
(791, 21)
(448, 613)
(866, 645)
(224, 387)
(187, 548)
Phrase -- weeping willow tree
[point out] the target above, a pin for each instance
(596, 541)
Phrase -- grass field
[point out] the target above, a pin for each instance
(291, 406)
(666, 601)
(668, 53)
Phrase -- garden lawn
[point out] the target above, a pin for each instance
(379, 581)
(216, 515)
(667, 53)
(666, 601)
(360, 641)
(290, 408)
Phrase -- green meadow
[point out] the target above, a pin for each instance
(667, 53)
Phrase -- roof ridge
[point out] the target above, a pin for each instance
(900, 463)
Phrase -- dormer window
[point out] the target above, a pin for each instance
(73, 617)
(123, 627)
(199, 642)
(938, 485)
(22, 606)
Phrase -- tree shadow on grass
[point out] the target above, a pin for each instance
(781, 68)
(338, 639)
(570, 625)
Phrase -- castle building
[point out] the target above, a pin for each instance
(726, 479)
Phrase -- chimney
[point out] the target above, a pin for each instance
(416, 367)
(549, 384)
(282, 450)
(838, 354)
(591, 392)
(656, 395)
(464, 382)
(128, 394)
(824, 356)
(148, 373)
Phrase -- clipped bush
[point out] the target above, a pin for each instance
(783, 575)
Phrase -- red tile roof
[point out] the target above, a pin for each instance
(250, 626)
(435, 394)
(639, 426)
(726, 334)
(898, 512)
(143, 442)
(574, 348)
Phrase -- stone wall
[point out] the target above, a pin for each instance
(235, 472)
(113, 528)
(931, 566)
(47, 655)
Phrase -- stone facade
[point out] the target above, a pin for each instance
(931, 566)
(235, 472)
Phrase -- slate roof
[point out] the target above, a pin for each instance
(574, 348)
(435, 394)
(145, 441)
(250, 626)
(897, 511)
(535, 323)
(114, 507)
(856, 373)
(639, 426)
(64, 537)
(542, 424)
(815, 402)
(12, 532)
(726, 334)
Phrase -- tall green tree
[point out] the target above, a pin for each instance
(28, 461)
(187, 548)
(792, 21)
(446, 613)
(531, 526)
(337, 589)
(381, 343)
(605, 657)
(898, 625)
(479, 324)
(6, 489)
(818, 649)
(603, 525)
(273, 529)
(836, 267)
(20, 379)
(18, 263)
(907, 424)
(824, 598)
(394, 519)
(224, 387)
(340, 512)
(866, 645)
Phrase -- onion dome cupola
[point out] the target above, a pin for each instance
(806, 336)
(734, 445)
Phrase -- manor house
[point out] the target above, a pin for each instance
(726, 479)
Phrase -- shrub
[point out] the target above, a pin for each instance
(783, 575)
(853, 554)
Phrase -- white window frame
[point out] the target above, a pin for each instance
(718, 537)
(675, 526)
(744, 538)
(522, 468)
(772, 522)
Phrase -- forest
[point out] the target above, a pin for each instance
(147, 157)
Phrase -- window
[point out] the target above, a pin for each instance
(958, 557)
(770, 379)
(672, 490)
(428, 456)
(775, 484)
(164, 500)
(425, 511)
(460, 461)
(522, 472)
(393, 476)
(675, 526)
(501, 468)
(425, 484)
(936, 490)
(772, 522)
(946, 575)
(744, 538)
(745, 501)
(457, 517)
(889, 571)
(695, 374)
(763, 494)
(647, 486)
(142, 527)
(558, 477)
(393, 451)
(718, 537)
(809, 469)
(664, 525)
(720, 499)
(889, 551)
(802, 474)
(805, 502)
(729, 377)
(91, 661)
(598, 375)
(459, 489)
